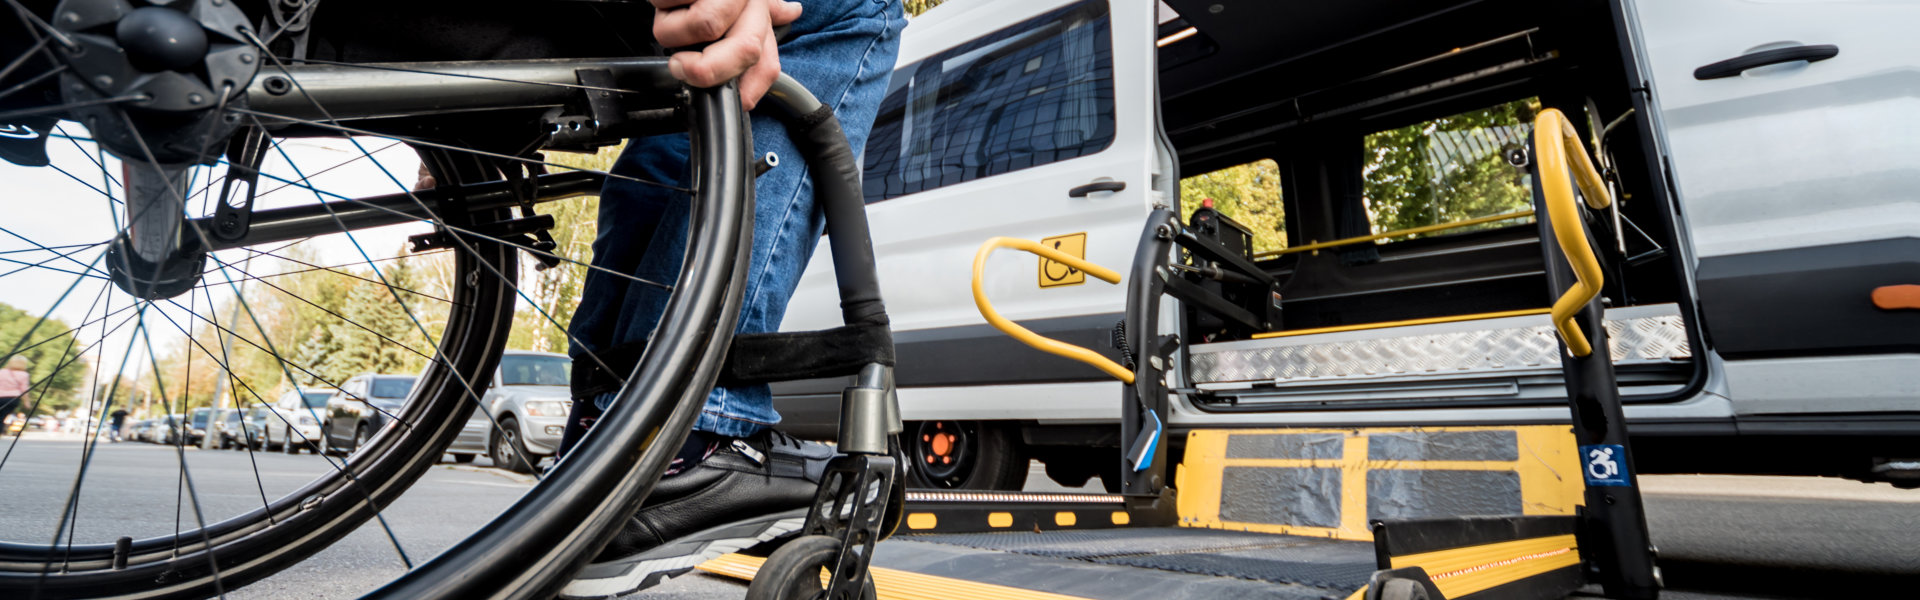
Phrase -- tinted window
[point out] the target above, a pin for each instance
(1449, 170)
(1031, 94)
(316, 399)
(394, 387)
(535, 370)
(200, 416)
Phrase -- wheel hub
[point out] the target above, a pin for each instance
(166, 63)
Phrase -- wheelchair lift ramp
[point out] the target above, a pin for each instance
(1110, 564)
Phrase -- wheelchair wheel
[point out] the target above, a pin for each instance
(798, 570)
(192, 239)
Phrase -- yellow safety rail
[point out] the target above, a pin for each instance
(1556, 144)
(1518, 214)
(1027, 336)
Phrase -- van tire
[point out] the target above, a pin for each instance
(965, 455)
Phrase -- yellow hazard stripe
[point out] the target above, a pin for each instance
(894, 584)
(1461, 571)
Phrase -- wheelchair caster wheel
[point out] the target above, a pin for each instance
(794, 572)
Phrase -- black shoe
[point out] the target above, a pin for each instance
(751, 491)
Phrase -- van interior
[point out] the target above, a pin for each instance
(1377, 153)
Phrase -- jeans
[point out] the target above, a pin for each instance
(841, 50)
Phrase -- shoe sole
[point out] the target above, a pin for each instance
(676, 558)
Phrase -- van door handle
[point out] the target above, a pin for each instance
(1740, 64)
(1081, 191)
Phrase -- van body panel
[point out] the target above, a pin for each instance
(1797, 154)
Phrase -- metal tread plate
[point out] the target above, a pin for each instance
(1324, 563)
(1637, 335)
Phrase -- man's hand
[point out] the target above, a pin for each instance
(743, 44)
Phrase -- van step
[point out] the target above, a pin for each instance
(1505, 346)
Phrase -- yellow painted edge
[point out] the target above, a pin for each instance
(895, 584)
(1409, 322)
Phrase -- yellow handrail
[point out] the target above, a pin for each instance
(1518, 214)
(1027, 336)
(1557, 145)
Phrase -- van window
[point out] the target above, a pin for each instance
(1035, 93)
(1249, 194)
(1449, 170)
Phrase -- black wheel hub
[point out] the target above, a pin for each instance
(167, 63)
(943, 452)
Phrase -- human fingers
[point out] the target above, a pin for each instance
(728, 58)
(784, 13)
(760, 77)
(699, 22)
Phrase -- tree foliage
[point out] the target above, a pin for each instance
(1448, 169)
(1249, 194)
(915, 7)
(50, 346)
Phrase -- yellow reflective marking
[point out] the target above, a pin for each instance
(922, 521)
(1000, 519)
(1065, 518)
(1461, 571)
(1120, 517)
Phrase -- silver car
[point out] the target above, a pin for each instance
(529, 401)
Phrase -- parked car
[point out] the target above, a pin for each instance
(528, 401)
(136, 430)
(166, 429)
(231, 432)
(293, 423)
(199, 425)
(256, 420)
(362, 406)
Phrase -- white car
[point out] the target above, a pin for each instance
(525, 411)
(295, 424)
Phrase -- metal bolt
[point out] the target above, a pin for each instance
(1216, 9)
(195, 99)
(72, 17)
(103, 81)
(246, 58)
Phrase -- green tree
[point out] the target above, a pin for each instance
(1448, 169)
(915, 7)
(1248, 194)
(50, 346)
(556, 291)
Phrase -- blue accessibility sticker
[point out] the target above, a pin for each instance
(1605, 465)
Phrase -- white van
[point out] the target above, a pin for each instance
(1762, 264)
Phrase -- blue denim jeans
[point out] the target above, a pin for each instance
(841, 50)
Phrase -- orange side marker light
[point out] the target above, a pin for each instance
(1896, 297)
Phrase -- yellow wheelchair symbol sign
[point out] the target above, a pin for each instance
(1053, 274)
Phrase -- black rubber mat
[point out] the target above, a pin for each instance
(1315, 562)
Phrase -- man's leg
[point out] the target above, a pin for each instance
(843, 51)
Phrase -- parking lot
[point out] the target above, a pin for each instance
(1720, 537)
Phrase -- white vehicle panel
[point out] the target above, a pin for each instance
(1797, 154)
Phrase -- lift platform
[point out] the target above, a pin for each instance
(1364, 513)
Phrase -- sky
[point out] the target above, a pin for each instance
(46, 207)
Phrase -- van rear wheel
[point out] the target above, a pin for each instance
(964, 455)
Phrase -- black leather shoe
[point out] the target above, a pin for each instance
(751, 491)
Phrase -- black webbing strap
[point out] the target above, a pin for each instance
(758, 358)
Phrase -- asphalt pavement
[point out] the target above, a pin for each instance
(1719, 537)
